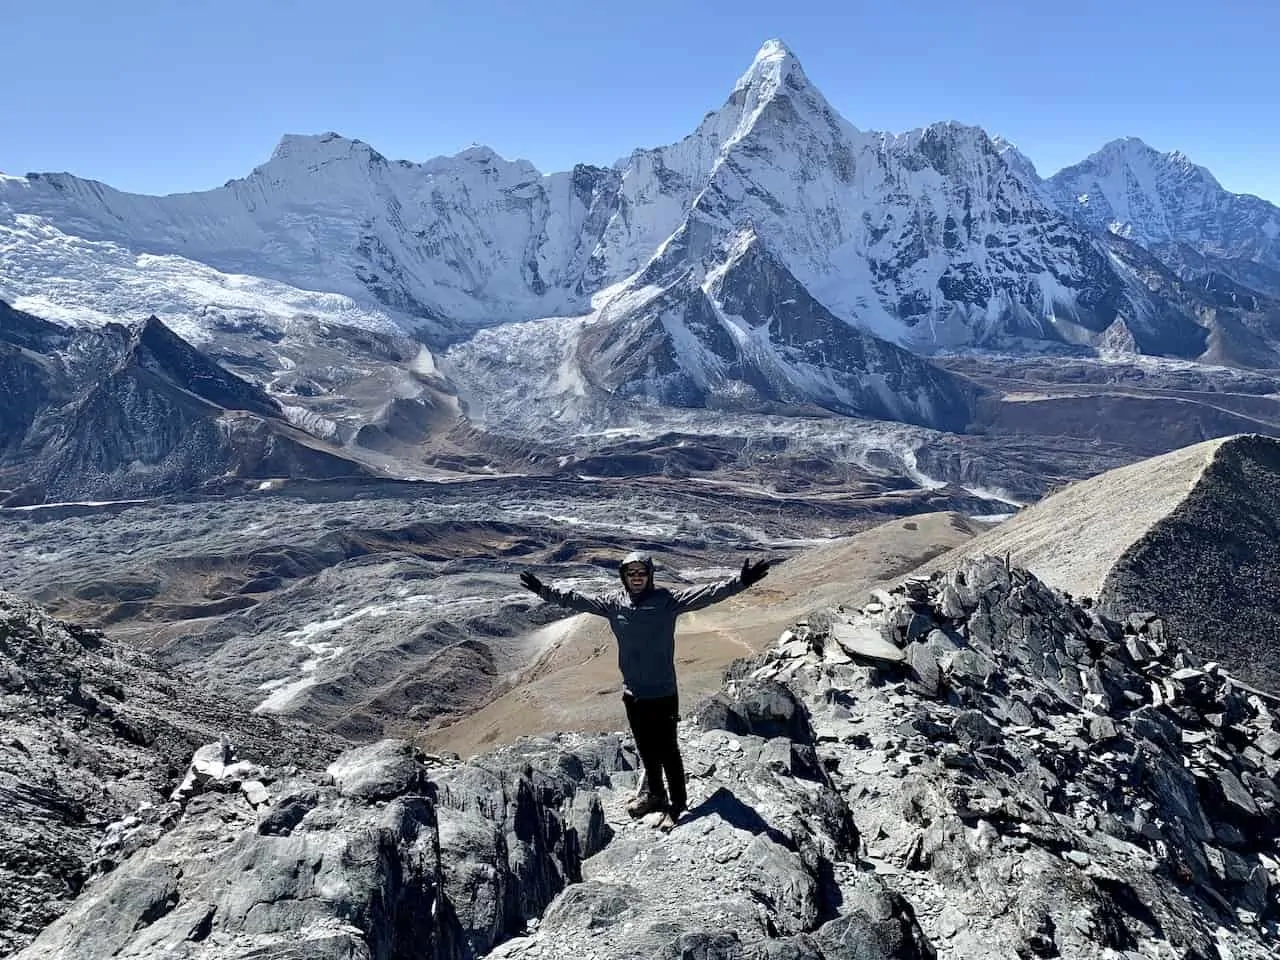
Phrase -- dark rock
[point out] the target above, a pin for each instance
(1263, 786)
(867, 641)
(972, 729)
(1139, 652)
(1235, 798)
(1137, 622)
(1172, 787)
(85, 787)
(949, 603)
(141, 412)
(288, 812)
(1150, 723)
(1038, 935)
(594, 904)
(1018, 712)
(1269, 743)
(1102, 729)
(1210, 566)
(911, 623)
(940, 643)
(877, 924)
(763, 708)
(968, 668)
(379, 771)
(926, 674)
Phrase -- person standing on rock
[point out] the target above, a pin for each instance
(643, 619)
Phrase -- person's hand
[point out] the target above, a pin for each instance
(753, 572)
(530, 582)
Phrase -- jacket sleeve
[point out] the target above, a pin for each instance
(695, 598)
(573, 600)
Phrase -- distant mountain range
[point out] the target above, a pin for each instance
(775, 260)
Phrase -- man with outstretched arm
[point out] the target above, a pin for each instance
(643, 619)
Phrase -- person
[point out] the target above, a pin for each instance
(643, 619)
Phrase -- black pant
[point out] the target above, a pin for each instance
(653, 724)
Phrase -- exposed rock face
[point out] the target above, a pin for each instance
(1004, 773)
(93, 741)
(29, 383)
(1212, 565)
(118, 413)
(1043, 780)
(731, 328)
(1190, 534)
(381, 856)
(1205, 314)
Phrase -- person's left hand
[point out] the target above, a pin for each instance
(753, 572)
(530, 582)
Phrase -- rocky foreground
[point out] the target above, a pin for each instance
(93, 741)
(969, 766)
(1192, 533)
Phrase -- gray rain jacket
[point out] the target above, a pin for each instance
(645, 628)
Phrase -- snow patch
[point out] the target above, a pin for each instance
(312, 423)
(71, 503)
(991, 518)
(424, 363)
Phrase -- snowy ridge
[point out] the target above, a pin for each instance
(884, 230)
(76, 281)
(777, 255)
(1164, 201)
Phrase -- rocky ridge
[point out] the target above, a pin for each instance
(969, 765)
(94, 739)
(1190, 533)
(119, 412)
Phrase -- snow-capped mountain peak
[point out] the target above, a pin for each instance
(885, 231)
(1021, 165)
(776, 79)
(773, 67)
(1134, 158)
(322, 146)
(939, 238)
(1177, 208)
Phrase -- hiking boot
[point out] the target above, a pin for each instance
(669, 821)
(645, 803)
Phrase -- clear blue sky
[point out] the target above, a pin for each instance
(158, 97)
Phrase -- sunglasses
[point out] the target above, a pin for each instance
(635, 572)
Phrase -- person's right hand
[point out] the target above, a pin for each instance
(530, 582)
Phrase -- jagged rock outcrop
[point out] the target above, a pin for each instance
(1206, 314)
(1039, 779)
(386, 854)
(1191, 534)
(120, 412)
(720, 322)
(94, 739)
(968, 766)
